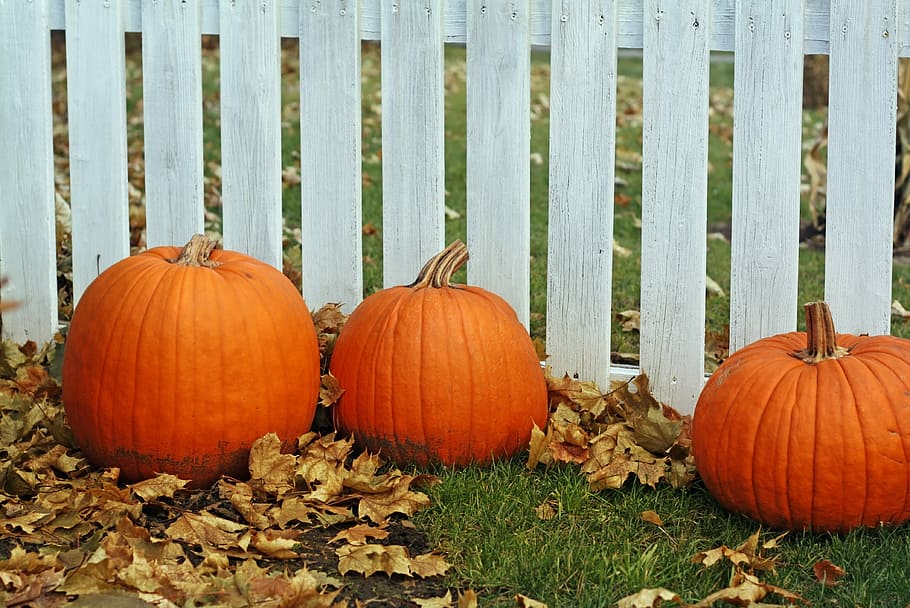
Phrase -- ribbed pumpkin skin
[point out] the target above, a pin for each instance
(822, 446)
(446, 375)
(178, 369)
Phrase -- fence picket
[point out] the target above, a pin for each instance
(250, 50)
(330, 154)
(861, 143)
(413, 160)
(27, 241)
(674, 198)
(172, 93)
(96, 92)
(499, 150)
(767, 132)
(582, 172)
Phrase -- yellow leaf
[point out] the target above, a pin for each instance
(163, 485)
(523, 601)
(652, 517)
(369, 559)
(360, 534)
(444, 601)
(271, 471)
(467, 599)
(648, 598)
(205, 529)
(401, 499)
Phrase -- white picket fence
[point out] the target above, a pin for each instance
(769, 38)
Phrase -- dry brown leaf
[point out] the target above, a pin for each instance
(547, 509)
(241, 497)
(429, 564)
(538, 449)
(467, 599)
(271, 471)
(652, 517)
(649, 598)
(330, 390)
(162, 485)
(629, 320)
(361, 534)
(206, 530)
(401, 499)
(523, 601)
(276, 543)
(827, 573)
(370, 559)
(444, 601)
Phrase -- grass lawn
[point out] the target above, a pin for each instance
(596, 548)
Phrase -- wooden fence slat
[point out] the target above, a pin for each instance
(172, 94)
(767, 127)
(96, 93)
(330, 154)
(499, 150)
(413, 160)
(250, 49)
(861, 144)
(27, 237)
(674, 198)
(582, 173)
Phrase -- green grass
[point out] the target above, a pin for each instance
(597, 549)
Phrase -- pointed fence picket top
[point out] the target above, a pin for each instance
(768, 39)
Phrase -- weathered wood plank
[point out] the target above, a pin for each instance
(330, 154)
(499, 150)
(767, 154)
(413, 159)
(172, 94)
(96, 94)
(250, 52)
(861, 144)
(582, 172)
(674, 198)
(27, 241)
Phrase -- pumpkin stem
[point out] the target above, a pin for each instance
(821, 342)
(197, 251)
(438, 270)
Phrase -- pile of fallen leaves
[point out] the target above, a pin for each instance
(615, 436)
(71, 530)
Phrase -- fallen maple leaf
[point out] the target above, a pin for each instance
(523, 601)
(827, 573)
(649, 598)
(271, 471)
(370, 559)
(360, 534)
(162, 485)
(206, 530)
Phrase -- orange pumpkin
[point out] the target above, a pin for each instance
(436, 372)
(809, 430)
(177, 360)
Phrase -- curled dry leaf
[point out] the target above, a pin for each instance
(652, 517)
(523, 601)
(163, 485)
(827, 573)
(649, 598)
(613, 436)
